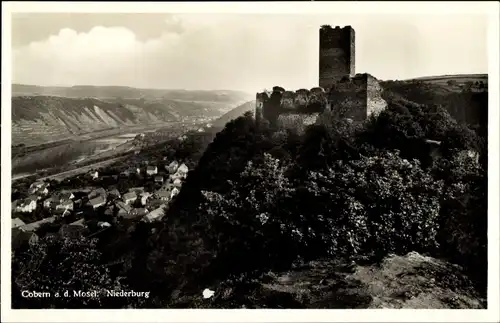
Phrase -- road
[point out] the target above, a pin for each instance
(73, 172)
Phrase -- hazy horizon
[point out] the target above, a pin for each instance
(242, 52)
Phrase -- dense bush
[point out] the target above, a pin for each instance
(59, 265)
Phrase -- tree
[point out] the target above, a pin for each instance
(253, 208)
(58, 265)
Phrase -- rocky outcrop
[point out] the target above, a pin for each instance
(412, 281)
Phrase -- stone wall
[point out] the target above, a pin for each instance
(375, 104)
(336, 54)
(297, 121)
(280, 101)
(356, 98)
(347, 98)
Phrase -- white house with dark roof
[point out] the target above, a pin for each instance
(183, 169)
(144, 197)
(94, 174)
(158, 179)
(152, 170)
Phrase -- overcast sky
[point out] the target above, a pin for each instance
(234, 51)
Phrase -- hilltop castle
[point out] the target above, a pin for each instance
(341, 91)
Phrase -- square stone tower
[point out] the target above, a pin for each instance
(336, 54)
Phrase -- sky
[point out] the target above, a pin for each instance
(246, 52)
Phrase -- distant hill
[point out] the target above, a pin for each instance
(124, 92)
(459, 78)
(41, 119)
(464, 96)
(234, 113)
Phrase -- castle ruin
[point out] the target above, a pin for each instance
(341, 91)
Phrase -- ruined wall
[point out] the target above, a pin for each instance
(290, 109)
(336, 54)
(259, 105)
(375, 104)
(348, 98)
(282, 101)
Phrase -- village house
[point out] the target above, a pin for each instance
(155, 203)
(97, 192)
(177, 182)
(183, 169)
(57, 199)
(65, 205)
(155, 215)
(33, 226)
(109, 210)
(152, 170)
(175, 176)
(123, 209)
(163, 194)
(139, 212)
(50, 202)
(27, 205)
(131, 170)
(17, 222)
(97, 202)
(103, 224)
(174, 192)
(40, 188)
(80, 222)
(73, 230)
(137, 190)
(35, 186)
(67, 195)
(114, 194)
(172, 167)
(77, 203)
(144, 197)
(158, 179)
(21, 239)
(129, 197)
(94, 174)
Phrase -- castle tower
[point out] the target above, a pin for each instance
(336, 54)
